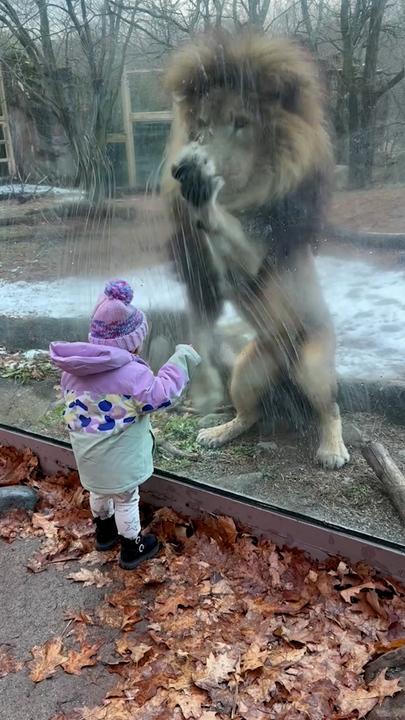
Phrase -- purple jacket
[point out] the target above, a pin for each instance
(106, 389)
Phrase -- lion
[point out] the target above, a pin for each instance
(247, 177)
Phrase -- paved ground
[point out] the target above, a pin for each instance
(32, 611)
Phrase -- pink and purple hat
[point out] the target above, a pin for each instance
(115, 321)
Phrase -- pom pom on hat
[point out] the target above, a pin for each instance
(119, 290)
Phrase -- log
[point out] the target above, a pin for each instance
(390, 475)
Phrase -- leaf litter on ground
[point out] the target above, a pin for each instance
(219, 626)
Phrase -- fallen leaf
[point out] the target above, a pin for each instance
(130, 617)
(353, 592)
(78, 617)
(216, 670)
(363, 699)
(17, 466)
(132, 648)
(15, 524)
(381, 648)
(253, 658)
(109, 616)
(190, 704)
(47, 658)
(286, 655)
(115, 709)
(97, 558)
(90, 577)
(8, 663)
(220, 528)
(184, 599)
(78, 659)
(46, 524)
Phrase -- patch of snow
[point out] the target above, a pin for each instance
(23, 189)
(367, 305)
(154, 288)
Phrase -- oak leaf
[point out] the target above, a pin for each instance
(135, 650)
(190, 704)
(78, 659)
(78, 617)
(115, 709)
(384, 647)
(8, 663)
(90, 577)
(17, 466)
(363, 699)
(130, 617)
(286, 655)
(47, 658)
(220, 528)
(216, 670)
(253, 658)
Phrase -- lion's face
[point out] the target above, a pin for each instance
(247, 110)
(227, 133)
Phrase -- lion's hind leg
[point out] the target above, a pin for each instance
(254, 372)
(315, 375)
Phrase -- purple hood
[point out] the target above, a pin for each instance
(80, 358)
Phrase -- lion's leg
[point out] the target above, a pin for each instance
(254, 371)
(207, 390)
(315, 375)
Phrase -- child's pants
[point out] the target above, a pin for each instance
(126, 508)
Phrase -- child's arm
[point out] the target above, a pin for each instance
(157, 392)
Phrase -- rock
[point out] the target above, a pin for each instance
(267, 447)
(390, 709)
(214, 419)
(17, 496)
(401, 454)
(352, 435)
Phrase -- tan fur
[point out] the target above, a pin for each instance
(249, 162)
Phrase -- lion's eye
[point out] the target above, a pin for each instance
(240, 122)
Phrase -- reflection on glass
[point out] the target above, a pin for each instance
(88, 193)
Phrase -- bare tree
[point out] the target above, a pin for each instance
(76, 49)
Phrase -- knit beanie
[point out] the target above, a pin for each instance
(115, 321)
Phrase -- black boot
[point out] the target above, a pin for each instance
(135, 551)
(106, 533)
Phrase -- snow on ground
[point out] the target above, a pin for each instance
(22, 189)
(367, 304)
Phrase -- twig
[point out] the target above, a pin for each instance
(168, 447)
(390, 475)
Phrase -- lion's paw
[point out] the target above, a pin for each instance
(333, 458)
(195, 172)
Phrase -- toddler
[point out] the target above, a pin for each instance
(109, 393)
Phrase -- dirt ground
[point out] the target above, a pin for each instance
(380, 209)
(54, 247)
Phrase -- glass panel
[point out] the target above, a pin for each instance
(149, 141)
(117, 155)
(147, 94)
(70, 221)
